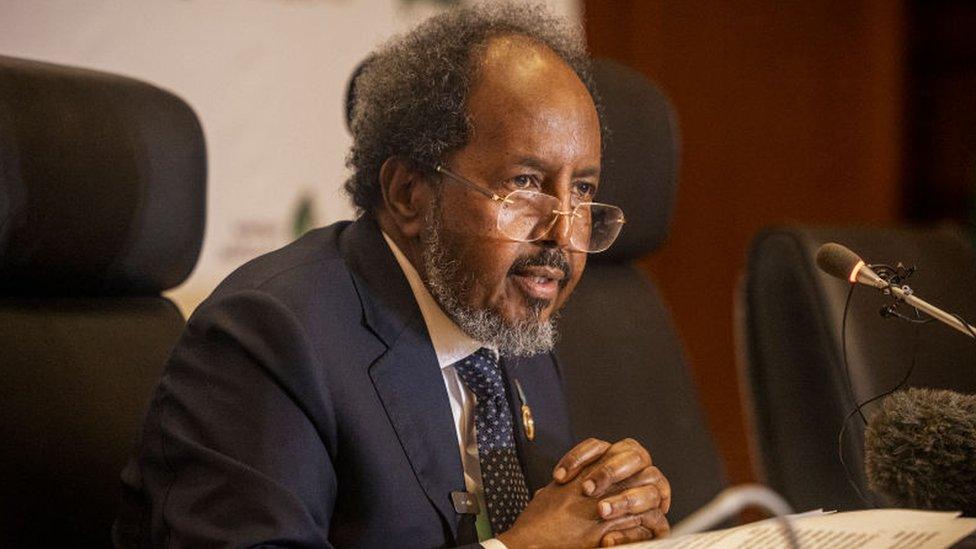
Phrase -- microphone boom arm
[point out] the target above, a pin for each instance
(904, 293)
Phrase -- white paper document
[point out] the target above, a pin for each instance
(872, 529)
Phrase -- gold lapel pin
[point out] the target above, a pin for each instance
(528, 424)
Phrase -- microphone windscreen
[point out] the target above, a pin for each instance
(837, 260)
(920, 450)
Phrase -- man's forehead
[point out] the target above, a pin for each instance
(524, 95)
(518, 62)
(517, 56)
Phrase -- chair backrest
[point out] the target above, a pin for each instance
(102, 204)
(793, 377)
(623, 365)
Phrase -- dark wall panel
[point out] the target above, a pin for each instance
(790, 112)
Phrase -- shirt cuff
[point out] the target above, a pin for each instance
(493, 543)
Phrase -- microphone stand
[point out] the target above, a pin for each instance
(905, 294)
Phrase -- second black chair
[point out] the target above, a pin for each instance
(793, 372)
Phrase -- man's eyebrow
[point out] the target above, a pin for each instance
(532, 162)
(591, 171)
(537, 164)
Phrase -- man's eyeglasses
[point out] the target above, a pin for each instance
(527, 216)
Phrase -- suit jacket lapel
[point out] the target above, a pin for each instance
(406, 377)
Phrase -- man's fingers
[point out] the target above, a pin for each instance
(631, 535)
(656, 522)
(651, 525)
(630, 502)
(619, 524)
(650, 475)
(614, 469)
(583, 454)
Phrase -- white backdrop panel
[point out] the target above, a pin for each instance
(267, 79)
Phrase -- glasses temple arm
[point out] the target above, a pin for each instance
(441, 170)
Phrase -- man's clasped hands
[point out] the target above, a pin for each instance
(601, 494)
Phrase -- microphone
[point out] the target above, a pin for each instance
(841, 262)
(920, 450)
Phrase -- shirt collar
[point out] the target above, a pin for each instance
(451, 344)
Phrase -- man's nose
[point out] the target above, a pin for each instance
(561, 231)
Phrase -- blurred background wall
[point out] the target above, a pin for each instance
(833, 112)
(790, 111)
(855, 111)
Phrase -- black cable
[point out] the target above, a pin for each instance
(966, 325)
(843, 344)
(858, 407)
(892, 311)
(840, 454)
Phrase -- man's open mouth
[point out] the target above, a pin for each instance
(540, 282)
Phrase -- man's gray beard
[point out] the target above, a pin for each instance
(449, 284)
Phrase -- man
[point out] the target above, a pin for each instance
(390, 381)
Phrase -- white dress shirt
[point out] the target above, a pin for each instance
(451, 344)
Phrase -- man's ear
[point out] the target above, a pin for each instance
(406, 195)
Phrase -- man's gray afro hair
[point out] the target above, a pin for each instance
(410, 97)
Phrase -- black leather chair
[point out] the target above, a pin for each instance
(623, 365)
(793, 379)
(102, 204)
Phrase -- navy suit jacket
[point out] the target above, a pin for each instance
(304, 406)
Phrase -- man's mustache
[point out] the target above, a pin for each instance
(549, 257)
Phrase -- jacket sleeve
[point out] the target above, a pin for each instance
(236, 447)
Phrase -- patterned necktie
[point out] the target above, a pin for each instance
(501, 475)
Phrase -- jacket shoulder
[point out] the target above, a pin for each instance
(316, 252)
(309, 278)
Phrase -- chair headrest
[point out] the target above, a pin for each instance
(640, 158)
(102, 183)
